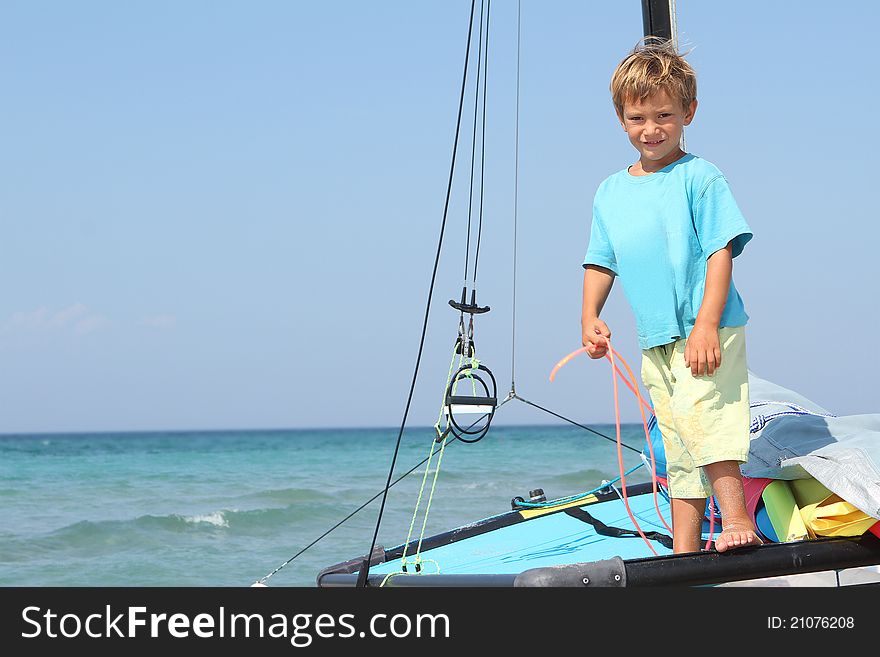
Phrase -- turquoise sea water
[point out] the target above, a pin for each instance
(226, 508)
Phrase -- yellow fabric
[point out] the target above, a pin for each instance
(808, 491)
(543, 510)
(827, 514)
(783, 512)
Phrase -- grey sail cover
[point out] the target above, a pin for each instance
(795, 438)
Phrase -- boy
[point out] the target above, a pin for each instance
(669, 228)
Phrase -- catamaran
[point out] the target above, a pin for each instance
(811, 481)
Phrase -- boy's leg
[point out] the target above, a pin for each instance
(687, 523)
(687, 483)
(712, 417)
(738, 530)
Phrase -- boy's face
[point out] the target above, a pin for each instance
(654, 126)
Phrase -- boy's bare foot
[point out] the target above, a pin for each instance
(736, 536)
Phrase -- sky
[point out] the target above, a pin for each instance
(224, 215)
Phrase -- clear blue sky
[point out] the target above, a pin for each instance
(224, 214)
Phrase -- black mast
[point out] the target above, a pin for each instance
(657, 18)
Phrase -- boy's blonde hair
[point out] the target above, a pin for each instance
(654, 64)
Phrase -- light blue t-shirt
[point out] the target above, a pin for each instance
(656, 233)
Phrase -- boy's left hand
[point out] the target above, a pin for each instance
(702, 351)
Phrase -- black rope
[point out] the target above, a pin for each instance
(483, 143)
(562, 417)
(362, 577)
(467, 249)
(617, 532)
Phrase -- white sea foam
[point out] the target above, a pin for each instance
(217, 518)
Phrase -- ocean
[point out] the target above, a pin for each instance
(227, 508)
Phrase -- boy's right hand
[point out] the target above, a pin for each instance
(593, 337)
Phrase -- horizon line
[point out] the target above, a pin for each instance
(90, 432)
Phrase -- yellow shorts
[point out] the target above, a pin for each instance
(703, 419)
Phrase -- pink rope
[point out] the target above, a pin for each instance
(643, 404)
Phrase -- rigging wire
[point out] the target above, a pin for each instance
(467, 250)
(673, 30)
(480, 94)
(515, 198)
(482, 145)
(578, 424)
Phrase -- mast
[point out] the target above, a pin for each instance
(658, 18)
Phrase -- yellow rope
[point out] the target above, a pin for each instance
(430, 499)
(400, 572)
(474, 364)
(428, 466)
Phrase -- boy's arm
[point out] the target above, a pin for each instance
(702, 352)
(597, 285)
